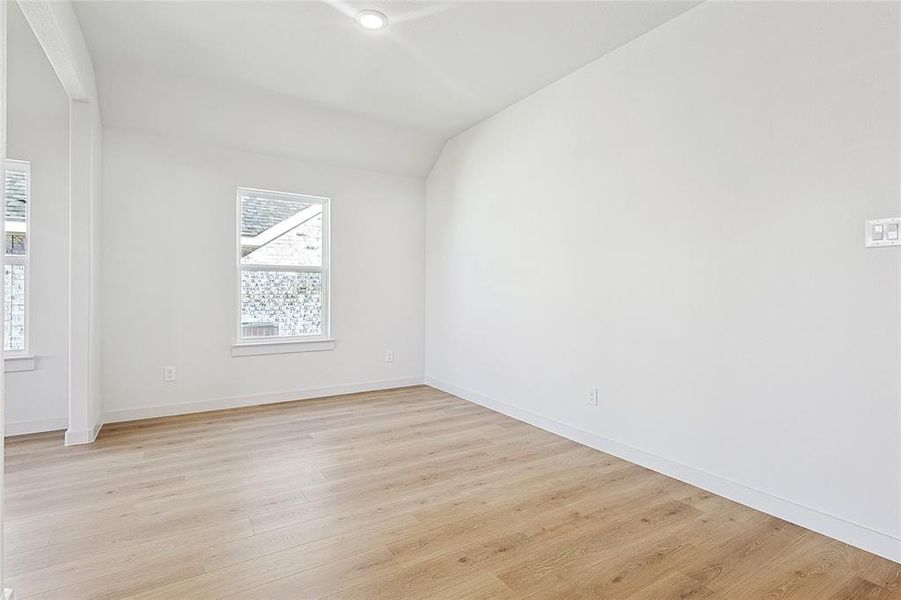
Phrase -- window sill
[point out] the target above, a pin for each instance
(12, 364)
(281, 347)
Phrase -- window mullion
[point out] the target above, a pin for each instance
(291, 268)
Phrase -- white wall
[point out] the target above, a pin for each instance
(168, 248)
(38, 131)
(680, 224)
(194, 109)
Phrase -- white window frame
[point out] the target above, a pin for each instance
(244, 346)
(25, 166)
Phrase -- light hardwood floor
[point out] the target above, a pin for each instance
(408, 493)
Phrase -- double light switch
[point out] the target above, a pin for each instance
(883, 232)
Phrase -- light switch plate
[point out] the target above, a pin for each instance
(883, 232)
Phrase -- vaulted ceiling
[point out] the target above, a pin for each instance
(302, 79)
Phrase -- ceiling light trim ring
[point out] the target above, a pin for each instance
(371, 19)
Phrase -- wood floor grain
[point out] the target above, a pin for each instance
(408, 493)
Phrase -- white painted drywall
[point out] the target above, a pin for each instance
(85, 137)
(194, 109)
(38, 131)
(56, 26)
(95, 369)
(168, 290)
(680, 224)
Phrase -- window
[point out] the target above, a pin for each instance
(282, 266)
(15, 275)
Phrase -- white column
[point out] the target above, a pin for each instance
(83, 395)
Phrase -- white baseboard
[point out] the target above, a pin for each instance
(168, 410)
(84, 436)
(39, 426)
(877, 542)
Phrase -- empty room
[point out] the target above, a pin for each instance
(453, 300)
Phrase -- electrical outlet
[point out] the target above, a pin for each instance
(389, 356)
(168, 374)
(592, 397)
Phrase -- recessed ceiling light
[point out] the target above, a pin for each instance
(371, 19)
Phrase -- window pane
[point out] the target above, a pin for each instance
(15, 244)
(280, 231)
(301, 246)
(280, 304)
(16, 211)
(14, 300)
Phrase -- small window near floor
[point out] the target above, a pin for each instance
(283, 271)
(15, 288)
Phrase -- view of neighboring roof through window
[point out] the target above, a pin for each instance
(15, 271)
(16, 211)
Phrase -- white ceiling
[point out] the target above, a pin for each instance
(439, 68)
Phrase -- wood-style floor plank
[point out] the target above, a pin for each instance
(408, 493)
